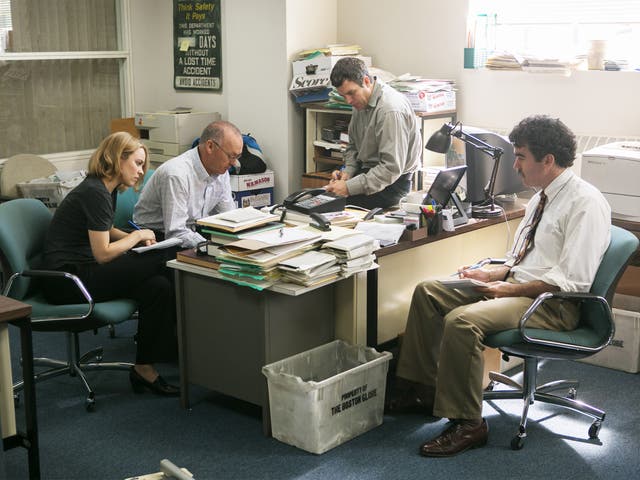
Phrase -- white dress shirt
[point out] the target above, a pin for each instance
(180, 192)
(572, 236)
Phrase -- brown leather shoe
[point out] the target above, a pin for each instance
(456, 439)
(410, 397)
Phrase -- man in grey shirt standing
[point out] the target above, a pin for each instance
(191, 186)
(384, 139)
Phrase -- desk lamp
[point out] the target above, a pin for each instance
(440, 142)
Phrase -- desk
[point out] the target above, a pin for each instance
(19, 314)
(404, 265)
(227, 332)
(374, 309)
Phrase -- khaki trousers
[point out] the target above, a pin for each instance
(443, 342)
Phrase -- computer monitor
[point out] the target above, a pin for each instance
(442, 191)
(479, 166)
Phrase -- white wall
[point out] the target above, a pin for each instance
(152, 60)
(423, 37)
(426, 38)
(259, 39)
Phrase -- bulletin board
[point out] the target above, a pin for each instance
(197, 33)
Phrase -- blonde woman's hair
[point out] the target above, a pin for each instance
(105, 161)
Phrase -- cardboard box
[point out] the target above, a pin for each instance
(262, 197)
(325, 396)
(314, 73)
(431, 102)
(624, 351)
(252, 181)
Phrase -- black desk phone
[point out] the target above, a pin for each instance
(315, 200)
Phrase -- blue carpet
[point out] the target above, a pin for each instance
(220, 438)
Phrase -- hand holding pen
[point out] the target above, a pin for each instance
(146, 235)
(338, 174)
(476, 266)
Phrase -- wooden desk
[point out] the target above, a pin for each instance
(373, 308)
(19, 314)
(227, 332)
(437, 255)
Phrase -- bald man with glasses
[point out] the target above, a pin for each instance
(191, 186)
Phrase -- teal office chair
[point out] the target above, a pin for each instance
(126, 202)
(24, 227)
(594, 332)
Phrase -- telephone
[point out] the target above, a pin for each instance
(315, 200)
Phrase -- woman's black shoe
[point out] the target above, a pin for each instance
(159, 386)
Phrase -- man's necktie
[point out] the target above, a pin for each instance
(527, 245)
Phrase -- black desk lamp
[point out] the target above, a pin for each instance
(440, 142)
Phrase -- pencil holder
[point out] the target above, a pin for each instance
(434, 224)
(469, 57)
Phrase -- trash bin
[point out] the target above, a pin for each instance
(327, 395)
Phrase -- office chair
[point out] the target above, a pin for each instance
(126, 202)
(593, 333)
(24, 227)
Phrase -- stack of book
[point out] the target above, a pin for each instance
(237, 220)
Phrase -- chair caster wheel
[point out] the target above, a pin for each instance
(90, 403)
(573, 394)
(517, 443)
(594, 429)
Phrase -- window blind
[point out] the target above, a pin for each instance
(559, 11)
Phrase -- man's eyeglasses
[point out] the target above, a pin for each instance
(230, 156)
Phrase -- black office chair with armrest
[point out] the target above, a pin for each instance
(24, 227)
(593, 333)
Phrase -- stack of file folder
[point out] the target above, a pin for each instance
(310, 268)
(354, 252)
(253, 260)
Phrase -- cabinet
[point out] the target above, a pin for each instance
(318, 160)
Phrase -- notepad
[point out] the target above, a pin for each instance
(169, 242)
(462, 283)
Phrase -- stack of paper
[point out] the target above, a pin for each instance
(237, 220)
(503, 61)
(309, 268)
(354, 252)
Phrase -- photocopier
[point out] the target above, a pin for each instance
(614, 169)
(169, 133)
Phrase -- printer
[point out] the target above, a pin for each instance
(170, 133)
(614, 169)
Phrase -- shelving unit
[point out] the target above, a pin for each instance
(318, 161)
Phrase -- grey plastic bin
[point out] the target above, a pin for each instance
(327, 395)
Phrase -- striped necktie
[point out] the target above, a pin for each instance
(528, 243)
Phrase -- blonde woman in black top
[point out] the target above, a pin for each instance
(82, 240)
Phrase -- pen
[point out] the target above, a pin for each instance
(475, 266)
(133, 224)
(340, 170)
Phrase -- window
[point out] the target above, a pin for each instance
(63, 73)
(560, 29)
